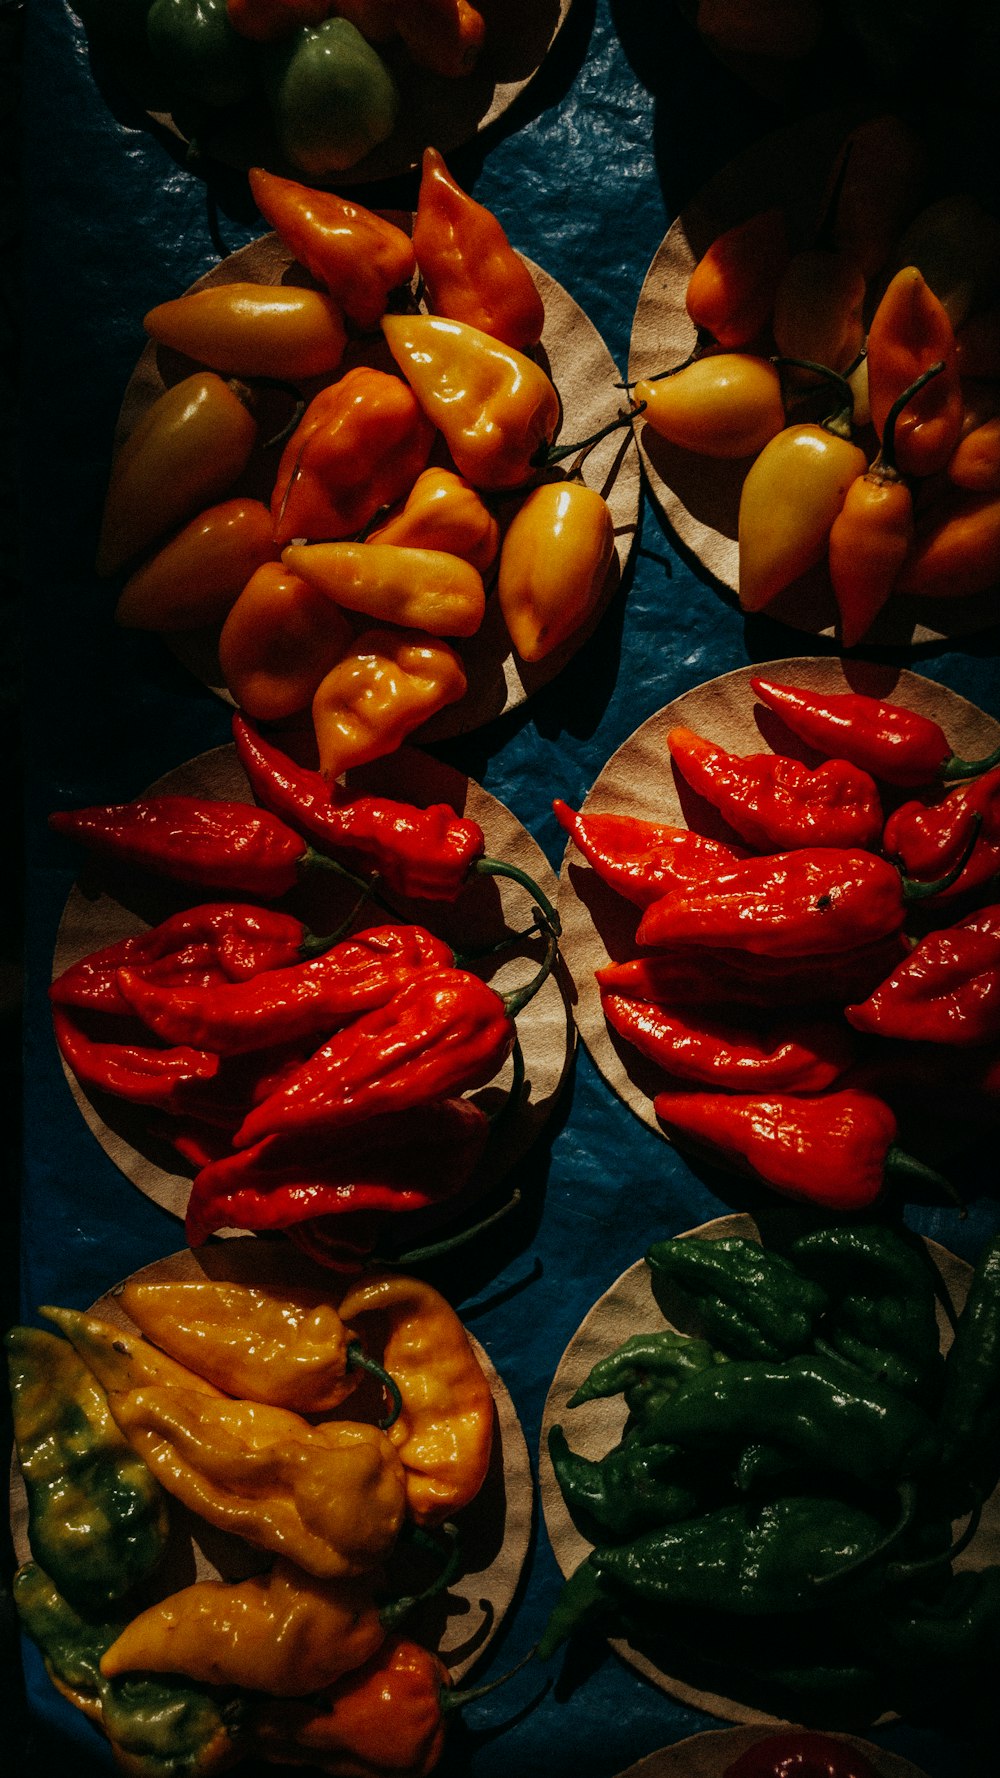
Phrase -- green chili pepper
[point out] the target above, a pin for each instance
(956, 1627)
(583, 1603)
(754, 1303)
(819, 1409)
(157, 1728)
(970, 1404)
(662, 1360)
(632, 1487)
(201, 55)
(882, 1314)
(332, 97)
(750, 1561)
(97, 1519)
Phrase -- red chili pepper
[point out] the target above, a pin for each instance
(224, 845)
(217, 943)
(791, 904)
(927, 840)
(642, 859)
(341, 1243)
(697, 975)
(425, 854)
(402, 1161)
(443, 1033)
(304, 1001)
(831, 1150)
(142, 1076)
(799, 1753)
(717, 1052)
(777, 803)
(947, 990)
(894, 744)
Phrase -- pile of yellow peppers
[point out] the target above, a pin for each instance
(887, 318)
(400, 500)
(229, 1402)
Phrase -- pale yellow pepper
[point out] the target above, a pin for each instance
(421, 589)
(384, 687)
(553, 565)
(120, 1360)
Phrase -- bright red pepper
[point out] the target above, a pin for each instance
(946, 991)
(779, 804)
(642, 859)
(470, 270)
(698, 975)
(303, 1001)
(142, 1076)
(894, 744)
(928, 839)
(223, 845)
(800, 1753)
(716, 1052)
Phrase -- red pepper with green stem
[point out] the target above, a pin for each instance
(717, 1051)
(778, 803)
(926, 839)
(897, 745)
(946, 991)
(642, 859)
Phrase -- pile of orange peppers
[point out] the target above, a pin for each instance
(396, 499)
(887, 319)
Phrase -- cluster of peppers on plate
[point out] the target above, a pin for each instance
(894, 316)
(315, 1084)
(228, 1403)
(788, 1017)
(344, 594)
(777, 1517)
(312, 81)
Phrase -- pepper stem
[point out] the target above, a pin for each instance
(549, 454)
(313, 860)
(906, 1168)
(455, 1700)
(907, 1493)
(518, 998)
(887, 455)
(969, 768)
(499, 867)
(839, 422)
(436, 1249)
(358, 1360)
(395, 1610)
(914, 890)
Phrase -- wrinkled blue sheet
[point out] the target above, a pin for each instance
(625, 121)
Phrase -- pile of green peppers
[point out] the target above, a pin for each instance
(796, 1477)
(315, 102)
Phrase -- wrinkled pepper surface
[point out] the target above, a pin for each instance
(357, 255)
(775, 803)
(382, 689)
(469, 268)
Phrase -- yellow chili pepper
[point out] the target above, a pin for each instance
(443, 511)
(957, 548)
(254, 330)
(186, 451)
(444, 1434)
(278, 643)
(195, 578)
(123, 1361)
(553, 564)
(497, 409)
(330, 1497)
(791, 495)
(284, 1633)
(386, 686)
(818, 308)
(725, 405)
(422, 589)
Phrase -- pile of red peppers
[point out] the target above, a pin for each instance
(781, 988)
(315, 1084)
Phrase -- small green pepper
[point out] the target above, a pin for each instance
(658, 1360)
(583, 1603)
(632, 1487)
(882, 1314)
(332, 97)
(200, 53)
(752, 1302)
(97, 1519)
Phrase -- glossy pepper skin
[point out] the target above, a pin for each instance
(444, 1434)
(471, 272)
(445, 36)
(331, 96)
(632, 1488)
(224, 845)
(359, 446)
(445, 1032)
(750, 1301)
(896, 745)
(301, 1002)
(419, 589)
(554, 562)
(97, 1520)
(121, 1360)
(389, 683)
(497, 409)
(909, 332)
(444, 512)
(423, 853)
(777, 804)
(926, 838)
(881, 1313)
(730, 294)
(801, 1753)
(791, 495)
(870, 539)
(830, 1150)
(719, 1052)
(197, 576)
(970, 1406)
(279, 641)
(946, 991)
(701, 975)
(163, 1078)
(956, 547)
(262, 330)
(357, 255)
(725, 405)
(642, 860)
(265, 21)
(201, 55)
(185, 452)
(645, 1367)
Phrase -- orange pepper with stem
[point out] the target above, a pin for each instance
(196, 577)
(444, 36)
(358, 256)
(872, 534)
(728, 404)
(910, 331)
(254, 330)
(279, 642)
(730, 294)
(384, 687)
(421, 589)
(443, 511)
(470, 270)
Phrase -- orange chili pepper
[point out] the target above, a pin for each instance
(470, 270)
(357, 256)
(445, 36)
(553, 565)
(975, 461)
(725, 405)
(386, 1716)
(818, 308)
(730, 293)
(254, 330)
(384, 687)
(443, 511)
(279, 642)
(910, 331)
(956, 550)
(195, 578)
(421, 589)
(265, 21)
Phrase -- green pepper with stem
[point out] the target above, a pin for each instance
(753, 1302)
